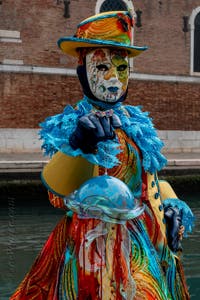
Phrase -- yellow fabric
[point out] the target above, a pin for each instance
(157, 193)
(155, 202)
(64, 174)
(166, 190)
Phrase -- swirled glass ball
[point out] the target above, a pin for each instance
(106, 198)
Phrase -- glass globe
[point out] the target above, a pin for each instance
(105, 198)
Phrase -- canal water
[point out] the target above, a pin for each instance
(25, 225)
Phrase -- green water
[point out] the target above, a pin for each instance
(191, 247)
(24, 227)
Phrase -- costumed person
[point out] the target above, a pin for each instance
(120, 237)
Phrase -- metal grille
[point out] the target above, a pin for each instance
(197, 44)
(112, 5)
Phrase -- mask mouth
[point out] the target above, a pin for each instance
(111, 98)
(112, 94)
(113, 91)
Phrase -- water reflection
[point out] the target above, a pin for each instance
(25, 227)
(192, 250)
(23, 231)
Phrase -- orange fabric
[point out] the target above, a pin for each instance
(124, 171)
(40, 282)
(56, 201)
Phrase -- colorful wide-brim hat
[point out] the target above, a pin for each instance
(111, 29)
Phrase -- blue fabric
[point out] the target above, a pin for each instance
(57, 129)
(187, 215)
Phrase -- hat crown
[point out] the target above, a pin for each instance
(111, 29)
(112, 26)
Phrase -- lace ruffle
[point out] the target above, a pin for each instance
(137, 125)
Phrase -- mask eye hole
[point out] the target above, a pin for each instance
(102, 67)
(121, 68)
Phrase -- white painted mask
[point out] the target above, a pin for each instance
(107, 73)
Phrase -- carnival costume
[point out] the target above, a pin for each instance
(119, 238)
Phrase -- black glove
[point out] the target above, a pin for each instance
(93, 128)
(173, 217)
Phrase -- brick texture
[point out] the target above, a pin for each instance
(41, 24)
(169, 46)
(26, 99)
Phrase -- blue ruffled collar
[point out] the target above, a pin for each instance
(137, 125)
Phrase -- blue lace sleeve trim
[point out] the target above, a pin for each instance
(187, 215)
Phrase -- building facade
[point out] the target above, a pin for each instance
(38, 80)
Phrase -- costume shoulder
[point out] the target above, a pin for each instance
(56, 129)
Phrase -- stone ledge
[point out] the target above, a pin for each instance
(37, 165)
(183, 162)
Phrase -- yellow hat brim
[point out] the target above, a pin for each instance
(69, 45)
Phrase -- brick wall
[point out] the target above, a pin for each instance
(41, 24)
(26, 99)
(173, 106)
(169, 46)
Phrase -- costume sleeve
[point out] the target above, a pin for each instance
(161, 195)
(170, 199)
(64, 174)
(166, 190)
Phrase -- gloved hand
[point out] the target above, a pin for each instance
(93, 128)
(175, 229)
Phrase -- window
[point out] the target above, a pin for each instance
(109, 5)
(195, 42)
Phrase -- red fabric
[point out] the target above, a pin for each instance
(40, 282)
